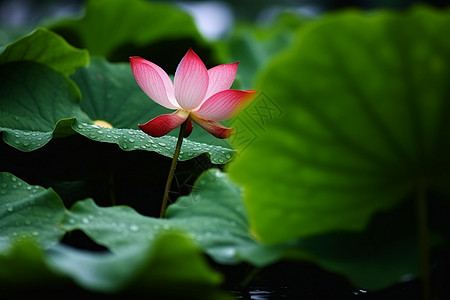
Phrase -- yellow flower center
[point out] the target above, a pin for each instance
(102, 123)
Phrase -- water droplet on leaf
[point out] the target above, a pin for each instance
(134, 228)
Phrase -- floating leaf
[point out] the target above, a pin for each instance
(34, 98)
(365, 119)
(30, 218)
(28, 212)
(213, 214)
(216, 217)
(48, 48)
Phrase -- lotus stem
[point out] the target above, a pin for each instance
(176, 154)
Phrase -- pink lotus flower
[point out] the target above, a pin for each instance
(201, 95)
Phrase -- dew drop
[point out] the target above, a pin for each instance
(161, 144)
(134, 228)
(35, 233)
(131, 140)
(85, 220)
(80, 126)
(17, 142)
(10, 209)
(14, 179)
(99, 131)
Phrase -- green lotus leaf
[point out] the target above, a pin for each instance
(34, 98)
(213, 215)
(28, 212)
(30, 218)
(364, 126)
(48, 48)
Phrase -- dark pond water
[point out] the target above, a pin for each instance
(308, 282)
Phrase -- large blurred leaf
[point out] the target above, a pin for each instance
(110, 24)
(28, 212)
(213, 214)
(170, 265)
(111, 94)
(384, 254)
(366, 107)
(24, 267)
(33, 99)
(254, 45)
(47, 48)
